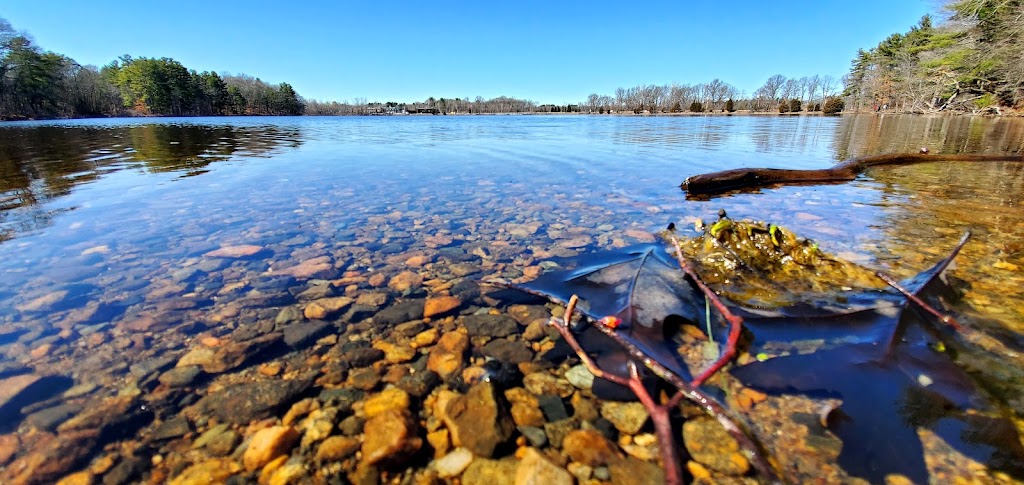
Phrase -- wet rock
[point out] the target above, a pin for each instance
(9, 446)
(580, 377)
(336, 448)
(372, 299)
(440, 305)
(217, 470)
(553, 407)
(84, 477)
(391, 399)
(317, 292)
(173, 428)
(129, 469)
(479, 420)
(362, 357)
(343, 398)
(558, 430)
(55, 458)
(288, 315)
(446, 358)
(22, 390)
(453, 463)
(633, 471)
(525, 409)
(267, 444)
(490, 472)
(326, 307)
(405, 281)
(395, 353)
(366, 378)
(298, 335)
(409, 329)
(228, 355)
(712, 446)
(535, 469)
(389, 438)
(628, 417)
(543, 383)
(240, 251)
(490, 325)
(400, 312)
(245, 402)
(589, 447)
(351, 425)
(535, 436)
(180, 376)
(508, 351)
(320, 267)
(419, 384)
(48, 419)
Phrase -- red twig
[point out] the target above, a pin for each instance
(948, 320)
(660, 413)
(735, 322)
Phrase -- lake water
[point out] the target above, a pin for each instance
(106, 226)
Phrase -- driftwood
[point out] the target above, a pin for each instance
(751, 178)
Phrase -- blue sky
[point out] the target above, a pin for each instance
(546, 51)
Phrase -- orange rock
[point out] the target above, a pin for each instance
(376, 280)
(446, 357)
(417, 261)
(240, 251)
(405, 280)
(440, 304)
(41, 351)
(267, 444)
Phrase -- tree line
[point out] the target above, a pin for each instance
(36, 84)
(973, 62)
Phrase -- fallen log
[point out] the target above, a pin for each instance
(752, 178)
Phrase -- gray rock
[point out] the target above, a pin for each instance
(508, 351)
(317, 292)
(184, 275)
(420, 383)
(490, 325)
(362, 357)
(580, 377)
(553, 407)
(173, 428)
(400, 312)
(48, 419)
(288, 314)
(297, 335)
(126, 471)
(536, 436)
(245, 402)
(342, 398)
(180, 376)
(558, 430)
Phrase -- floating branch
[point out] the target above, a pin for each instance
(751, 178)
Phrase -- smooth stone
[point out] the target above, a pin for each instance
(508, 351)
(246, 402)
(446, 357)
(298, 335)
(216, 470)
(336, 448)
(390, 437)
(48, 419)
(711, 445)
(488, 325)
(542, 382)
(173, 428)
(326, 307)
(419, 384)
(405, 281)
(267, 444)
(580, 376)
(632, 470)
(391, 399)
(239, 251)
(288, 314)
(440, 305)
(362, 357)
(400, 312)
(536, 469)
(453, 463)
(479, 420)
(536, 436)
(553, 407)
(180, 376)
(590, 448)
(490, 472)
(627, 417)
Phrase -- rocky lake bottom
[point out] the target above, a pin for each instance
(221, 316)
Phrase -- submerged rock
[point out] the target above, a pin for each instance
(479, 420)
(245, 402)
(389, 438)
(535, 469)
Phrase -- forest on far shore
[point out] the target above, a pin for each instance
(972, 62)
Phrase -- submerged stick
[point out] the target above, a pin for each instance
(751, 178)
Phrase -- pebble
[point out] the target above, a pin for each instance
(453, 463)
(405, 281)
(267, 444)
(580, 376)
(391, 399)
(389, 437)
(336, 448)
(180, 376)
(216, 470)
(487, 325)
(326, 307)
(536, 469)
(491, 472)
(589, 447)
(479, 420)
(711, 445)
(446, 358)
(240, 251)
(544, 383)
(439, 305)
(627, 417)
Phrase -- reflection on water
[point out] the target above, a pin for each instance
(106, 232)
